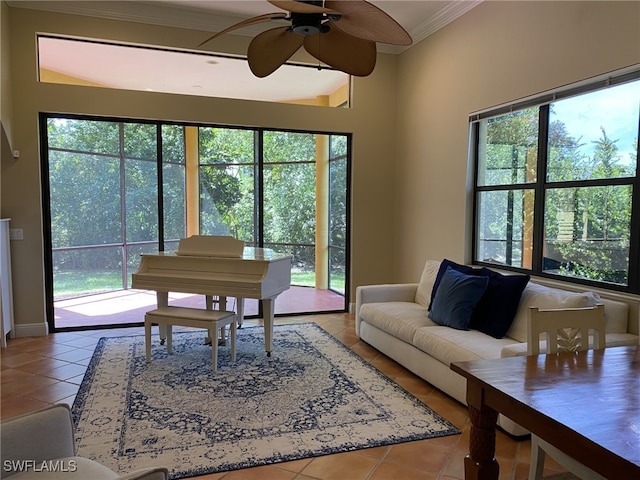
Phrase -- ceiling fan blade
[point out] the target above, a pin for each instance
(271, 49)
(299, 7)
(245, 23)
(364, 20)
(344, 52)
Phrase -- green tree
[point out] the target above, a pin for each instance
(599, 249)
(227, 202)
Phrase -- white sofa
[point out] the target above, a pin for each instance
(394, 319)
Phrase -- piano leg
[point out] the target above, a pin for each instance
(268, 312)
(162, 299)
(240, 312)
(222, 305)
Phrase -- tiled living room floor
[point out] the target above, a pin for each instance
(38, 371)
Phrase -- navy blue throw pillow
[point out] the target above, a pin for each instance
(456, 298)
(443, 268)
(496, 309)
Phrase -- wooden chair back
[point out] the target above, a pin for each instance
(567, 329)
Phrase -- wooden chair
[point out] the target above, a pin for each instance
(572, 329)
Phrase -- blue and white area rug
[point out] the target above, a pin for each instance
(312, 397)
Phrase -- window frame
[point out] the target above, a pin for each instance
(160, 161)
(541, 185)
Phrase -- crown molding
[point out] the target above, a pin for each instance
(164, 14)
(446, 15)
(154, 13)
(431, 25)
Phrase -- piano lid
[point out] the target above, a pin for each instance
(211, 246)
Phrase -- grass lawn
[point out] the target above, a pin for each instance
(72, 284)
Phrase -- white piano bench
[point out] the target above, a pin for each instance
(211, 320)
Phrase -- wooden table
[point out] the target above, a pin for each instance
(586, 404)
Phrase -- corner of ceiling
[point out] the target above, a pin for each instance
(450, 12)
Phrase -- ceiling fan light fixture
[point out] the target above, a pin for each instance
(306, 29)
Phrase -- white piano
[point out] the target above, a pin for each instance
(220, 266)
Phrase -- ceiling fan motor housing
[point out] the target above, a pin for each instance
(308, 23)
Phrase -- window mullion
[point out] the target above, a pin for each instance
(160, 190)
(634, 236)
(540, 192)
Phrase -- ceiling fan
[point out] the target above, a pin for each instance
(339, 33)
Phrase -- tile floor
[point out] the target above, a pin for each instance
(38, 371)
(129, 306)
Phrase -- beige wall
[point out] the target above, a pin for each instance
(371, 120)
(410, 192)
(6, 101)
(496, 53)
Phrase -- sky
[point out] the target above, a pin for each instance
(617, 109)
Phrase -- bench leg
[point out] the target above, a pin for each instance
(147, 339)
(214, 350)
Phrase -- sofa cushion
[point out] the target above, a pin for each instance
(496, 310)
(536, 295)
(427, 280)
(616, 315)
(449, 345)
(467, 270)
(457, 296)
(400, 319)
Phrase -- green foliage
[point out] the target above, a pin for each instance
(103, 172)
(595, 218)
(226, 145)
(338, 203)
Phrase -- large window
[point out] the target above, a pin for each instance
(282, 190)
(118, 188)
(103, 199)
(557, 184)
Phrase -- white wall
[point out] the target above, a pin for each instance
(496, 53)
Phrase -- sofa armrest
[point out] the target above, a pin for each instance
(514, 350)
(42, 435)
(392, 292)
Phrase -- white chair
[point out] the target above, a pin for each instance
(551, 331)
(45, 438)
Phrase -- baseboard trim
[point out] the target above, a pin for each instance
(31, 330)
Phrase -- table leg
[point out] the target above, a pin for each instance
(268, 314)
(480, 463)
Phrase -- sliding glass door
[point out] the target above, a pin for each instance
(116, 189)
